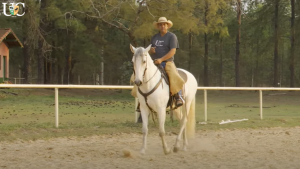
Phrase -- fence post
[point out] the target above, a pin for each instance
(205, 105)
(261, 104)
(56, 107)
(19, 74)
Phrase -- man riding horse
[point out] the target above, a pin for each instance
(164, 45)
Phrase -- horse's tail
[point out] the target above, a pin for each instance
(191, 121)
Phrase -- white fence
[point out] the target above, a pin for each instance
(56, 87)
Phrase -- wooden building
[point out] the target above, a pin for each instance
(8, 39)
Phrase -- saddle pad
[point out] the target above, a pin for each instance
(183, 75)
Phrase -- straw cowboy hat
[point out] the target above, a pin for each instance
(163, 20)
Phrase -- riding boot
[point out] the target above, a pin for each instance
(140, 120)
(179, 99)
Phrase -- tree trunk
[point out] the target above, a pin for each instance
(190, 51)
(281, 77)
(221, 60)
(71, 75)
(59, 74)
(26, 52)
(221, 57)
(27, 62)
(60, 56)
(238, 37)
(206, 83)
(256, 77)
(292, 60)
(53, 65)
(45, 71)
(132, 39)
(40, 55)
(40, 62)
(68, 59)
(276, 38)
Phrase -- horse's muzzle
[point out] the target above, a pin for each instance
(138, 82)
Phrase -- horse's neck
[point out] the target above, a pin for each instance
(152, 76)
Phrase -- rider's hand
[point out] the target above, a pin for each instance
(152, 50)
(157, 61)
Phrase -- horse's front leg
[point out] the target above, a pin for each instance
(145, 114)
(161, 120)
(183, 121)
(182, 131)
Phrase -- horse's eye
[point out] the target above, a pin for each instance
(144, 61)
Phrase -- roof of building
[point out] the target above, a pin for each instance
(10, 38)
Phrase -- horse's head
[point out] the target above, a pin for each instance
(140, 61)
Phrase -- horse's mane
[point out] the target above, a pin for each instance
(139, 51)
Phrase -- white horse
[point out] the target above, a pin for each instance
(150, 82)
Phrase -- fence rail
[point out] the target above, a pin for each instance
(56, 87)
(17, 78)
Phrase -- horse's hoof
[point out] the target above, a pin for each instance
(176, 149)
(143, 151)
(168, 151)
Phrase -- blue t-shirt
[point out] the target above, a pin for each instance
(163, 44)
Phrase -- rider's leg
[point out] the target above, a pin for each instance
(178, 96)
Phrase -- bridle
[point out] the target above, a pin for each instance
(145, 95)
(145, 71)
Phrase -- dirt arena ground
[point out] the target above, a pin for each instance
(247, 148)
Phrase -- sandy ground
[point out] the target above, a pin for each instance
(248, 148)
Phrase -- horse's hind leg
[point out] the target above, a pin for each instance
(185, 141)
(145, 113)
(161, 119)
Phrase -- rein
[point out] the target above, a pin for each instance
(151, 77)
(145, 72)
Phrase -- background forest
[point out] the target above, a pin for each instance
(222, 42)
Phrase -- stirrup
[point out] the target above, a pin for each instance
(179, 97)
(179, 105)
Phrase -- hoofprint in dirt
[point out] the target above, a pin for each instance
(244, 148)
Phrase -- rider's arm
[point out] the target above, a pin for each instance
(173, 44)
(152, 50)
(169, 55)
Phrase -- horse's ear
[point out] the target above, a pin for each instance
(132, 48)
(148, 48)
